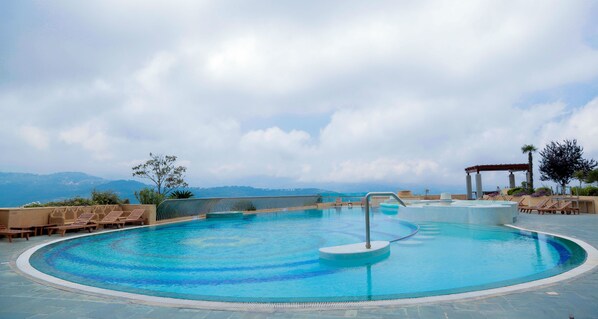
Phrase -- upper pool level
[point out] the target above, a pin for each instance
(456, 211)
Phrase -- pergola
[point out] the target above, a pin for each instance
(494, 167)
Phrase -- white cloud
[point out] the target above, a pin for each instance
(35, 137)
(397, 91)
(91, 138)
(580, 125)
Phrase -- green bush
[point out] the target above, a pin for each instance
(33, 204)
(105, 197)
(512, 191)
(75, 201)
(521, 192)
(579, 191)
(542, 191)
(97, 198)
(148, 196)
(585, 191)
(178, 194)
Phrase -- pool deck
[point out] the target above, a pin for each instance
(21, 297)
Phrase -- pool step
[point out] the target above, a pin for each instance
(428, 227)
(429, 232)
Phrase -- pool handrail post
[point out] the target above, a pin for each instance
(367, 212)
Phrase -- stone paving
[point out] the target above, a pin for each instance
(21, 297)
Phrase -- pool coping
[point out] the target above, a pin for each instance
(23, 266)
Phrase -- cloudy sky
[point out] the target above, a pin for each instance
(295, 93)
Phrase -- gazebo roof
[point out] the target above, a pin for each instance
(498, 167)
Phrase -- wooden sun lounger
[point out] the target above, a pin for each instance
(136, 216)
(113, 218)
(547, 208)
(529, 209)
(564, 207)
(82, 222)
(11, 232)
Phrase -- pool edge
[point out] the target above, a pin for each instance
(24, 267)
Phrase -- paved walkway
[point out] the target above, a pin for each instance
(21, 297)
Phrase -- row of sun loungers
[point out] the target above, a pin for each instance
(83, 222)
(547, 206)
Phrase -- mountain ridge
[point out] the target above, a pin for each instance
(18, 189)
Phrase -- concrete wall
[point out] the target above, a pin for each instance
(497, 214)
(24, 217)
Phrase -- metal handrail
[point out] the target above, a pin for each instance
(367, 212)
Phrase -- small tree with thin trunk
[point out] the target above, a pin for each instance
(162, 171)
(592, 177)
(560, 162)
(580, 176)
(529, 149)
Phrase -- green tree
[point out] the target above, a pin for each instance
(148, 196)
(107, 197)
(580, 176)
(162, 171)
(560, 161)
(529, 149)
(592, 176)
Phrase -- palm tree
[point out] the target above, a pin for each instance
(529, 149)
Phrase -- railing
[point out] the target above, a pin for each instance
(367, 212)
(344, 197)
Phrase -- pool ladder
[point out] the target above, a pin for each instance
(367, 212)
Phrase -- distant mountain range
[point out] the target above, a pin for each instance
(18, 189)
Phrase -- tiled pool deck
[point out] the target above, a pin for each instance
(21, 297)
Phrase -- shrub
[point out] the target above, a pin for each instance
(105, 197)
(178, 194)
(512, 191)
(542, 191)
(75, 201)
(149, 196)
(592, 190)
(520, 192)
(579, 191)
(33, 204)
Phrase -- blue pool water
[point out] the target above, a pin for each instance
(274, 258)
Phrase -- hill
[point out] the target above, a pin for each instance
(18, 189)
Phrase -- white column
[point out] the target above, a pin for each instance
(511, 180)
(478, 185)
(468, 185)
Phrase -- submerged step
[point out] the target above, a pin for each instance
(224, 215)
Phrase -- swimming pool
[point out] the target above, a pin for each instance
(274, 258)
